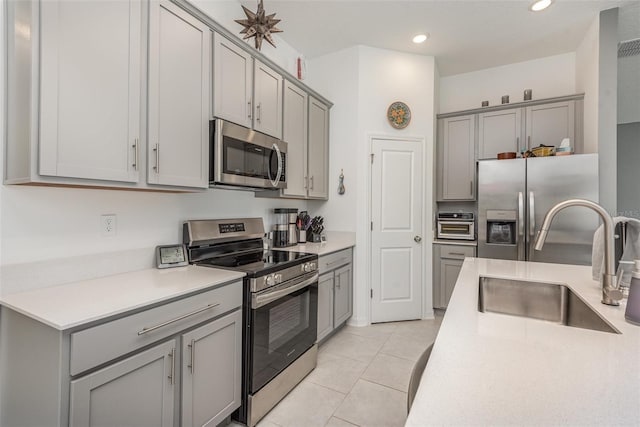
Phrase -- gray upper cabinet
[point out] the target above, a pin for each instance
(456, 167)
(499, 132)
(267, 104)
(90, 73)
(318, 159)
(138, 391)
(294, 133)
(179, 100)
(549, 124)
(232, 82)
(211, 371)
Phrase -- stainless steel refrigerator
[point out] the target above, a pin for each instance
(513, 197)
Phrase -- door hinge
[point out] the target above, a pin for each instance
(371, 293)
(371, 158)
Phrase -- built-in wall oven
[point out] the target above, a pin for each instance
(456, 225)
(280, 307)
(241, 157)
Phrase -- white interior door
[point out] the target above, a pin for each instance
(396, 236)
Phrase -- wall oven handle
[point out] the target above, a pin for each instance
(279, 174)
(259, 300)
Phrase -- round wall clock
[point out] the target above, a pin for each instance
(399, 115)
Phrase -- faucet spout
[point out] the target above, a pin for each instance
(611, 295)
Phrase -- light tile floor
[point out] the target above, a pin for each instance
(361, 379)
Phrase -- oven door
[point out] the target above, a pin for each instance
(283, 325)
(457, 230)
(246, 158)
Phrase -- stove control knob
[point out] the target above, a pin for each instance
(270, 280)
(306, 267)
(314, 266)
(277, 278)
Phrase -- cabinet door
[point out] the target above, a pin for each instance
(499, 132)
(549, 124)
(138, 391)
(90, 89)
(179, 86)
(267, 109)
(294, 133)
(343, 295)
(211, 371)
(325, 305)
(232, 82)
(449, 270)
(318, 161)
(457, 169)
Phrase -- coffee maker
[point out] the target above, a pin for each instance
(284, 228)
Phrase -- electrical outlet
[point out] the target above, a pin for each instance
(108, 225)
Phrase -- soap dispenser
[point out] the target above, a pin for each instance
(632, 313)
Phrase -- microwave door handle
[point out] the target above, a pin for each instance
(279, 174)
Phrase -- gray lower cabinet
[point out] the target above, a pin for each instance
(335, 291)
(136, 391)
(211, 369)
(175, 364)
(447, 262)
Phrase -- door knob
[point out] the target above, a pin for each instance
(417, 239)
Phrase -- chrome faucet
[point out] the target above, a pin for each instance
(611, 294)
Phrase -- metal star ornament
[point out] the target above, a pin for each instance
(259, 25)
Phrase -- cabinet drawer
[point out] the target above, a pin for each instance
(456, 252)
(334, 260)
(99, 344)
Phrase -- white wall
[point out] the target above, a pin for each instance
(56, 230)
(546, 77)
(629, 67)
(381, 77)
(608, 108)
(586, 73)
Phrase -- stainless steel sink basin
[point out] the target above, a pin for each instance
(538, 300)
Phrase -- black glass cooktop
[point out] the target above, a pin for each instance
(259, 262)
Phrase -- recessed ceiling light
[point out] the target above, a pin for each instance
(420, 38)
(540, 5)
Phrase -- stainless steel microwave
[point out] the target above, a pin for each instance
(241, 157)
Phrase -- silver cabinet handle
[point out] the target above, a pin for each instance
(157, 150)
(258, 114)
(532, 214)
(191, 364)
(184, 316)
(470, 188)
(306, 182)
(340, 261)
(517, 144)
(135, 154)
(528, 142)
(338, 283)
(311, 179)
(249, 109)
(457, 253)
(172, 371)
(417, 239)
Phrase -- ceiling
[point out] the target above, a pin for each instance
(465, 35)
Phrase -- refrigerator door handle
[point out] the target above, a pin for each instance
(532, 214)
(520, 240)
(520, 214)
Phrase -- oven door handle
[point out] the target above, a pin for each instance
(260, 300)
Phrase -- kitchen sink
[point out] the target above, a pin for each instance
(539, 300)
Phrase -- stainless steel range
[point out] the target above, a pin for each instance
(280, 306)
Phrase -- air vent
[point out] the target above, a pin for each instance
(629, 48)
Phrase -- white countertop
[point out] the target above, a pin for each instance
(74, 304)
(494, 369)
(336, 241)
